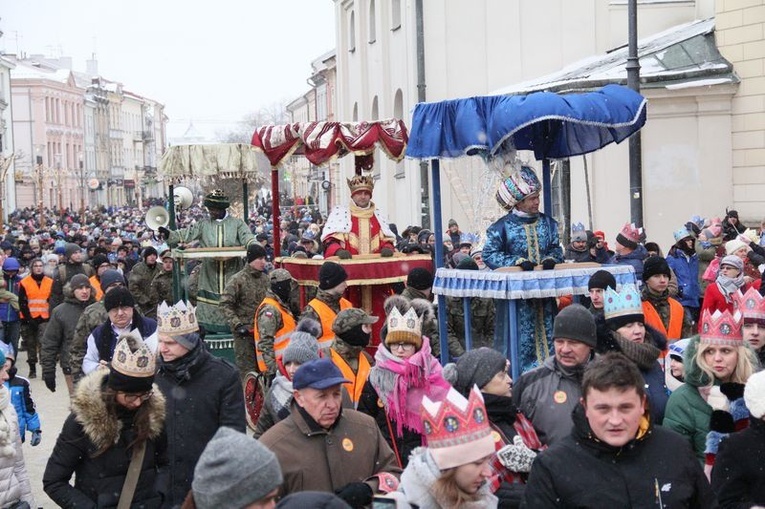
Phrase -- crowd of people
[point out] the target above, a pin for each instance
(647, 393)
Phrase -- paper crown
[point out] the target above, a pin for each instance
(176, 320)
(132, 357)
(751, 304)
(751, 234)
(361, 183)
(520, 184)
(631, 232)
(721, 328)
(578, 232)
(406, 328)
(457, 430)
(681, 233)
(469, 238)
(624, 303)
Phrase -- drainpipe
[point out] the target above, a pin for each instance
(424, 180)
(633, 81)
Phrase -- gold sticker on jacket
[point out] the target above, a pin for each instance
(348, 444)
(560, 397)
(495, 436)
(380, 403)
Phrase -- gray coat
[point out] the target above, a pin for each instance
(57, 340)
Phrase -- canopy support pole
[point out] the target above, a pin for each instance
(435, 172)
(546, 186)
(245, 204)
(275, 211)
(633, 81)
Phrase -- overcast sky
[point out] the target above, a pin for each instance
(208, 62)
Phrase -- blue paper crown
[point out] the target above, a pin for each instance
(469, 238)
(625, 302)
(577, 227)
(681, 233)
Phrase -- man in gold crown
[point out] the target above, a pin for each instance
(220, 230)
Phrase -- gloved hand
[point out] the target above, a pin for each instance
(386, 252)
(526, 265)
(516, 457)
(50, 382)
(164, 232)
(356, 494)
(343, 254)
(732, 390)
(743, 238)
(548, 264)
(717, 400)
(242, 330)
(36, 438)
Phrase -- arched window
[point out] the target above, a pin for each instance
(355, 112)
(395, 14)
(352, 32)
(375, 110)
(372, 22)
(398, 112)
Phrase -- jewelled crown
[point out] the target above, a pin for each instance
(681, 233)
(751, 304)
(176, 320)
(631, 232)
(721, 328)
(520, 184)
(469, 238)
(623, 303)
(361, 183)
(132, 357)
(578, 232)
(406, 328)
(456, 429)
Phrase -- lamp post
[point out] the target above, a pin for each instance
(60, 187)
(635, 146)
(82, 190)
(39, 183)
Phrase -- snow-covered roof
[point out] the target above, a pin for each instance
(24, 70)
(683, 56)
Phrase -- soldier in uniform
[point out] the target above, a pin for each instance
(162, 285)
(139, 282)
(240, 299)
(353, 330)
(329, 300)
(481, 312)
(273, 321)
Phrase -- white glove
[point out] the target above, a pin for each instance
(717, 400)
(516, 457)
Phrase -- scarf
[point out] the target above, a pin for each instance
(360, 213)
(728, 286)
(401, 384)
(180, 369)
(281, 397)
(500, 409)
(524, 215)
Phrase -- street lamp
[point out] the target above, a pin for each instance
(39, 170)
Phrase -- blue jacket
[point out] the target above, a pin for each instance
(635, 259)
(7, 313)
(687, 271)
(22, 401)
(507, 242)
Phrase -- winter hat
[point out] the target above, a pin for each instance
(314, 499)
(754, 394)
(577, 323)
(517, 187)
(331, 274)
(234, 471)
(602, 279)
(677, 348)
(458, 257)
(99, 260)
(217, 199)
(733, 245)
(578, 233)
(70, 249)
(111, 276)
(303, 346)
(452, 222)
(655, 265)
(681, 233)
(629, 236)
(133, 365)
(318, 374)
(10, 264)
(255, 251)
(420, 279)
(467, 264)
(477, 367)
(79, 281)
(118, 297)
(279, 276)
(623, 307)
(147, 252)
(2, 357)
(404, 327)
(733, 261)
(349, 319)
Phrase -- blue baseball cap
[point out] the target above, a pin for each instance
(318, 374)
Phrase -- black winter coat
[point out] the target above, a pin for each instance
(658, 469)
(738, 476)
(203, 393)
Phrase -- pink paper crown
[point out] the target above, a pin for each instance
(457, 430)
(721, 328)
(631, 232)
(751, 304)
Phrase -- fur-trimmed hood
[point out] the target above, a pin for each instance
(101, 428)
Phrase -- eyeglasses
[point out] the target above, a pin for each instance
(407, 347)
(132, 398)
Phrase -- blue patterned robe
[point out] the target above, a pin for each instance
(510, 241)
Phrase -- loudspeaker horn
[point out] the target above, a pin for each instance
(156, 217)
(182, 197)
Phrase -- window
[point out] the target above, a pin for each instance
(372, 22)
(398, 112)
(355, 112)
(352, 33)
(375, 110)
(395, 14)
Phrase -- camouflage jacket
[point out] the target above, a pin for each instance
(139, 284)
(243, 294)
(430, 325)
(93, 316)
(481, 324)
(162, 288)
(269, 321)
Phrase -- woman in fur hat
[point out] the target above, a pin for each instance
(117, 415)
(404, 372)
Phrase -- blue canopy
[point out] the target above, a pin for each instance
(551, 125)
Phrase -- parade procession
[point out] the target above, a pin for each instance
(407, 272)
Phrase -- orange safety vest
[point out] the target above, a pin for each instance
(357, 379)
(95, 283)
(37, 296)
(327, 317)
(676, 311)
(281, 338)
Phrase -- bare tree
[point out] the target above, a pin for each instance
(273, 114)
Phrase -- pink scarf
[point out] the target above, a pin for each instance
(401, 384)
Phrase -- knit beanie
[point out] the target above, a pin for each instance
(733, 261)
(255, 251)
(478, 367)
(79, 281)
(70, 249)
(602, 279)
(733, 245)
(303, 346)
(420, 279)
(754, 394)
(577, 323)
(111, 276)
(654, 265)
(147, 252)
(331, 274)
(99, 260)
(118, 297)
(234, 471)
(467, 264)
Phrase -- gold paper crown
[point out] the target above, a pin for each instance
(132, 357)
(176, 320)
(404, 329)
(361, 183)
